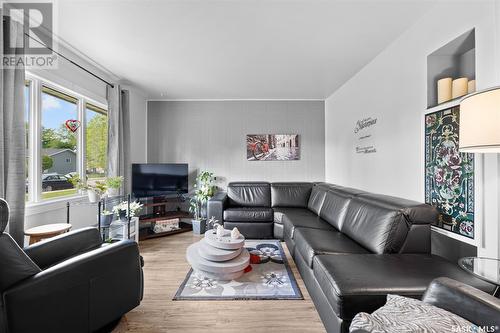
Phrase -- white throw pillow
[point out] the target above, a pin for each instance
(403, 314)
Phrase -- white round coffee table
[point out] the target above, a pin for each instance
(223, 258)
(224, 242)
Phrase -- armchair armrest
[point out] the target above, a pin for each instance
(61, 247)
(82, 293)
(216, 206)
(470, 303)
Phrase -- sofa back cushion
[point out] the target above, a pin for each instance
(334, 208)
(249, 194)
(381, 223)
(414, 211)
(378, 227)
(290, 194)
(317, 197)
(15, 264)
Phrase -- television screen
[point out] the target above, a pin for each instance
(154, 180)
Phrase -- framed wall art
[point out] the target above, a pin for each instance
(449, 174)
(273, 147)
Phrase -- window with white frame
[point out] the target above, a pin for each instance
(66, 135)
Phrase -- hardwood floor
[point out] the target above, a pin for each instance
(166, 267)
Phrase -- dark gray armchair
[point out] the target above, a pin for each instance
(69, 283)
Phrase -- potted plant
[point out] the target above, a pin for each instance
(204, 189)
(114, 184)
(121, 210)
(94, 191)
(197, 221)
(106, 218)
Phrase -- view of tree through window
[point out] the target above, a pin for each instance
(59, 130)
(66, 136)
(96, 142)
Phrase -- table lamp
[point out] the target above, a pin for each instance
(480, 122)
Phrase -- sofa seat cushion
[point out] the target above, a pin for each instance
(249, 214)
(280, 213)
(355, 283)
(300, 217)
(402, 314)
(311, 242)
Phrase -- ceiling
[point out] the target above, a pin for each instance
(239, 49)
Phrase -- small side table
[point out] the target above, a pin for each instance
(486, 269)
(36, 234)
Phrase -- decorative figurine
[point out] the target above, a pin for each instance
(235, 233)
(212, 222)
(220, 231)
(214, 227)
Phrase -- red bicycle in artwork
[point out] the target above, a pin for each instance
(259, 149)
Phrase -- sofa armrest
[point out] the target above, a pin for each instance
(82, 293)
(61, 247)
(216, 206)
(465, 301)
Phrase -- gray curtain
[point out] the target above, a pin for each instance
(119, 135)
(12, 135)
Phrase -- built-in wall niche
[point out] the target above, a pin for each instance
(457, 59)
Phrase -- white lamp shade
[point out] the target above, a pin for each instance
(480, 122)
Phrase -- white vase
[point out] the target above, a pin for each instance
(93, 196)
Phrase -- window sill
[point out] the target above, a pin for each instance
(33, 208)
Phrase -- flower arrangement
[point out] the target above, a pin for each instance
(121, 210)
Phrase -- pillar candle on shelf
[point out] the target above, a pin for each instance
(471, 86)
(444, 90)
(459, 87)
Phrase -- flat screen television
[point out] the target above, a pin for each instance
(159, 179)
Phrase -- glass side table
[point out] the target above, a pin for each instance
(486, 269)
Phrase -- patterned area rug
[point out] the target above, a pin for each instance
(268, 277)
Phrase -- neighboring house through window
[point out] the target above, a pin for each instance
(66, 136)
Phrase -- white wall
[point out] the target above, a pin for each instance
(392, 88)
(74, 78)
(212, 135)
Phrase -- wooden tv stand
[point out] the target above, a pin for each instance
(160, 213)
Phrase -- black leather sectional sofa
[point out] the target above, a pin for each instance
(351, 247)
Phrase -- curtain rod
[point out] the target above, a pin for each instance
(71, 61)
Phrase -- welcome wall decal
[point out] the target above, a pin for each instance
(364, 129)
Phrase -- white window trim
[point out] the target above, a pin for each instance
(35, 121)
